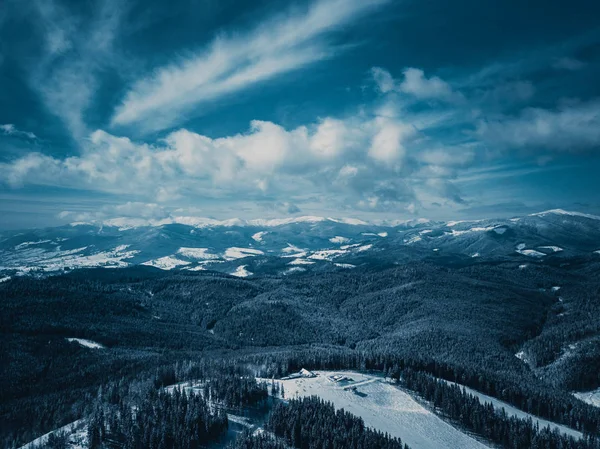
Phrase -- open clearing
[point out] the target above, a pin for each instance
(385, 407)
(590, 397)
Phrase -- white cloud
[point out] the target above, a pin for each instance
(574, 127)
(384, 80)
(11, 130)
(346, 160)
(387, 145)
(232, 63)
(416, 83)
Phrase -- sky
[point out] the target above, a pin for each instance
(373, 109)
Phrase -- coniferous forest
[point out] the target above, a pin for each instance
(158, 330)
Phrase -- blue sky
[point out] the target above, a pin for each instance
(376, 109)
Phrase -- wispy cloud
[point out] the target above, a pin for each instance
(11, 130)
(572, 127)
(76, 48)
(235, 62)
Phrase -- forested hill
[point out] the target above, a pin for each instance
(475, 319)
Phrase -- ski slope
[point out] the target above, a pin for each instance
(385, 407)
(513, 411)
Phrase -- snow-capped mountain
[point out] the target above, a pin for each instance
(295, 245)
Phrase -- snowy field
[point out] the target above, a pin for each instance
(513, 411)
(384, 407)
(590, 397)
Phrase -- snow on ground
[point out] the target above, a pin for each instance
(241, 272)
(197, 253)
(291, 249)
(555, 288)
(522, 356)
(258, 236)
(294, 270)
(513, 411)
(296, 256)
(385, 407)
(354, 245)
(523, 266)
(345, 265)
(86, 343)
(590, 397)
(530, 253)
(26, 244)
(33, 259)
(501, 230)
(166, 263)
(382, 234)
(566, 212)
(239, 253)
(597, 252)
(196, 268)
(475, 255)
(555, 249)
(475, 229)
(364, 248)
(339, 239)
(413, 239)
(521, 246)
(426, 231)
(77, 432)
(327, 254)
(4, 279)
(300, 262)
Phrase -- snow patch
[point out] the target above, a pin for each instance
(345, 265)
(339, 239)
(86, 343)
(166, 263)
(291, 249)
(294, 270)
(413, 239)
(258, 237)
(382, 234)
(197, 253)
(26, 244)
(530, 253)
(521, 246)
(241, 272)
(589, 397)
(301, 262)
(239, 253)
(327, 254)
(555, 249)
(475, 255)
(4, 279)
(364, 248)
(555, 288)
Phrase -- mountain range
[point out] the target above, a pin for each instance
(297, 245)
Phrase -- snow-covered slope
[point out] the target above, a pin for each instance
(192, 243)
(384, 407)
